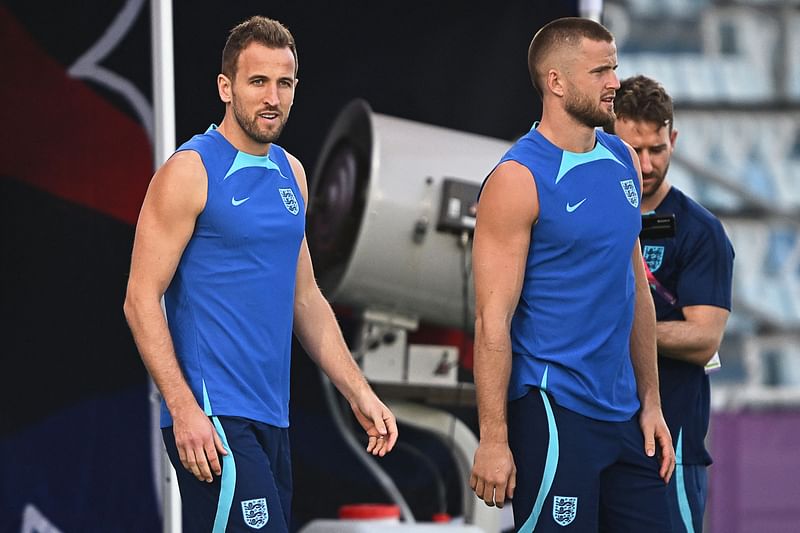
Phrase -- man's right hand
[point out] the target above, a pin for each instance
(494, 475)
(198, 443)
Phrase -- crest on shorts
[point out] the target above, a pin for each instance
(255, 512)
(289, 200)
(630, 192)
(564, 509)
(653, 256)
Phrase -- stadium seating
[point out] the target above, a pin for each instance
(736, 88)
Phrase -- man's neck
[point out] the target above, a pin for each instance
(561, 129)
(651, 203)
(235, 135)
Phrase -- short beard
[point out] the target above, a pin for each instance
(585, 112)
(248, 125)
(657, 185)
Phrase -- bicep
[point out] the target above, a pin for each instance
(305, 282)
(636, 258)
(706, 271)
(305, 279)
(299, 176)
(638, 262)
(507, 210)
(175, 197)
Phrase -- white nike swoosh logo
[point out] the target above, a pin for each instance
(236, 202)
(571, 208)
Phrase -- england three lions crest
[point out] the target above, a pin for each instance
(630, 192)
(255, 512)
(289, 200)
(564, 509)
(653, 256)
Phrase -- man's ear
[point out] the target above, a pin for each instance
(554, 82)
(224, 88)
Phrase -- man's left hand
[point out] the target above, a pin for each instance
(656, 433)
(378, 421)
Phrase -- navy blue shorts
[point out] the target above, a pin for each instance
(576, 471)
(255, 488)
(687, 493)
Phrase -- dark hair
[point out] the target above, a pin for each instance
(261, 30)
(563, 32)
(643, 99)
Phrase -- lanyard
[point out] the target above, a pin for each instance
(659, 289)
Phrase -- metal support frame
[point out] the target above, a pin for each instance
(163, 146)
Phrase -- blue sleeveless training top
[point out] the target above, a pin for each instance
(230, 304)
(570, 333)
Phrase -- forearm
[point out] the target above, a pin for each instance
(151, 334)
(687, 341)
(492, 372)
(317, 330)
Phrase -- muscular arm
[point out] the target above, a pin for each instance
(697, 338)
(318, 331)
(175, 197)
(643, 337)
(645, 362)
(507, 210)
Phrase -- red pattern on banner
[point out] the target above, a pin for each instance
(62, 137)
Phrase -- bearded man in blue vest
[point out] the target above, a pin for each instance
(221, 236)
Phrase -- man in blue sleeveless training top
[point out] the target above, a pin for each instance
(221, 236)
(565, 354)
(692, 278)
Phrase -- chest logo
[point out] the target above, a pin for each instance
(564, 509)
(255, 512)
(571, 208)
(630, 192)
(235, 202)
(289, 200)
(653, 256)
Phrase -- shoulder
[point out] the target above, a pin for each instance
(179, 186)
(698, 214)
(531, 154)
(698, 222)
(185, 165)
(618, 147)
(201, 143)
(611, 141)
(279, 154)
(532, 144)
(509, 190)
(511, 173)
(211, 149)
(297, 169)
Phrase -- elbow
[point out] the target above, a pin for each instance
(705, 352)
(705, 355)
(492, 329)
(480, 323)
(137, 303)
(302, 301)
(129, 307)
(308, 299)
